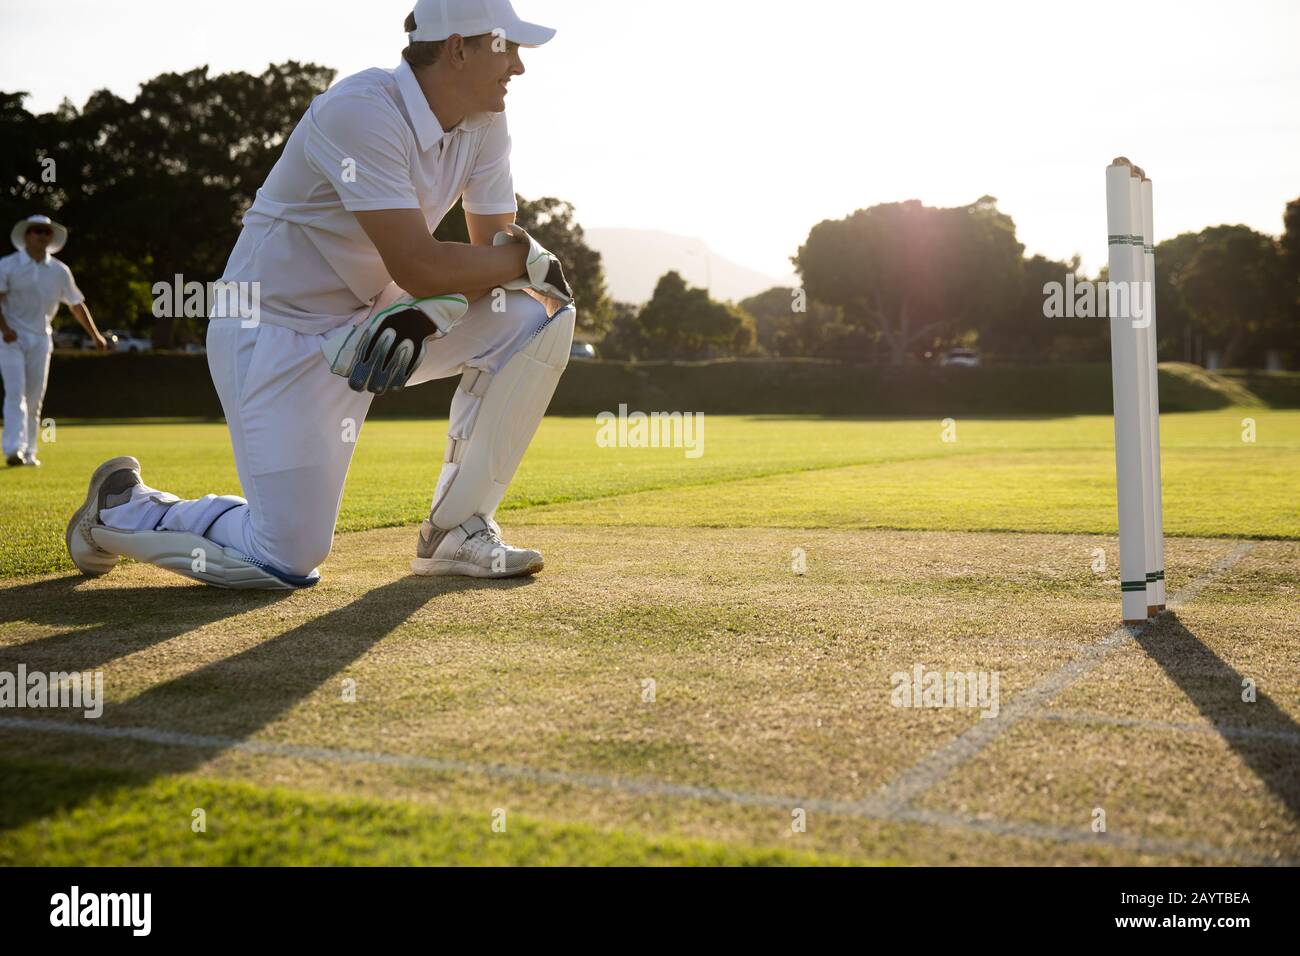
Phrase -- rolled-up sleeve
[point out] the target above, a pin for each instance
(491, 188)
(361, 145)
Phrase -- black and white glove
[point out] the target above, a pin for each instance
(381, 353)
(544, 273)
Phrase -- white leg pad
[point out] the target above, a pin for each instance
(483, 458)
(195, 556)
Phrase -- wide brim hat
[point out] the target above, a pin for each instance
(18, 235)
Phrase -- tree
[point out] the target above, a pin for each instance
(22, 189)
(625, 338)
(683, 322)
(162, 180)
(787, 323)
(912, 273)
(552, 221)
(122, 291)
(1290, 248)
(1291, 238)
(1058, 317)
(1238, 291)
(1178, 335)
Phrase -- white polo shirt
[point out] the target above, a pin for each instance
(33, 290)
(369, 142)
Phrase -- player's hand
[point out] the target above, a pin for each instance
(10, 335)
(544, 273)
(101, 343)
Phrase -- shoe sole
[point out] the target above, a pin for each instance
(445, 567)
(91, 506)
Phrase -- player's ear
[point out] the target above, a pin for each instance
(454, 50)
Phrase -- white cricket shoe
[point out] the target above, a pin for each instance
(114, 479)
(474, 549)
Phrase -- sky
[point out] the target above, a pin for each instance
(746, 122)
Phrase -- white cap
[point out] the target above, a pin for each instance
(435, 20)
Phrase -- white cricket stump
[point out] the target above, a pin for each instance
(1135, 390)
(1157, 502)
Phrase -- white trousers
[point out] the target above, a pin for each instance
(25, 368)
(293, 425)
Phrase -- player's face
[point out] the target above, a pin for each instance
(39, 238)
(490, 66)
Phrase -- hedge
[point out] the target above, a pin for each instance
(177, 385)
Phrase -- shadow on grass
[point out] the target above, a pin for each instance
(234, 697)
(1215, 687)
(107, 623)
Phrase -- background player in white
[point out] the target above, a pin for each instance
(356, 298)
(32, 284)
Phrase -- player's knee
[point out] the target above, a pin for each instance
(526, 318)
(524, 311)
(307, 559)
(302, 553)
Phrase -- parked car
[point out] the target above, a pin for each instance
(194, 348)
(120, 341)
(963, 358)
(88, 345)
(67, 340)
(582, 350)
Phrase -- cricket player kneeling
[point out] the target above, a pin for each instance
(356, 298)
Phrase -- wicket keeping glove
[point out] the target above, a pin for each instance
(380, 354)
(543, 274)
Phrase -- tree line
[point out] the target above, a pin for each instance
(156, 186)
(901, 282)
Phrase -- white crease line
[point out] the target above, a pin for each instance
(1189, 593)
(1218, 730)
(930, 770)
(636, 788)
(629, 785)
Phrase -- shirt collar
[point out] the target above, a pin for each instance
(428, 131)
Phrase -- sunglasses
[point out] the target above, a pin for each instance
(40, 231)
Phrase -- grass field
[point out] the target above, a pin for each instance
(384, 718)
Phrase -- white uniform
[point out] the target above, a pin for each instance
(32, 294)
(370, 142)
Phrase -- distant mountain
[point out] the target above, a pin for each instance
(634, 260)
